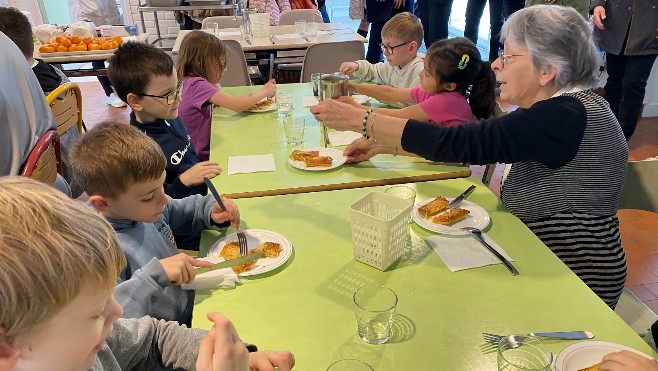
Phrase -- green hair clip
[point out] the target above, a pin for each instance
(462, 64)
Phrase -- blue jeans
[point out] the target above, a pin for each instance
(626, 86)
(434, 15)
(499, 10)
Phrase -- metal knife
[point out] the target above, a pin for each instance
(458, 200)
(232, 262)
(213, 190)
(272, 39)
(564, 335)
(306, 38)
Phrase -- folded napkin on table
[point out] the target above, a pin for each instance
(342, 138)
(309, 101)
(223, 278)
(464, 251)
(250, 164)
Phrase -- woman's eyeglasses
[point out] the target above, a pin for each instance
(169, 98)
(390, 49)
(505, 57)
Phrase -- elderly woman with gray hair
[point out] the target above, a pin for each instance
(567, 152)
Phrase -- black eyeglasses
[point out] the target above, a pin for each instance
(169, 98)
(389, 49)
(505, 57)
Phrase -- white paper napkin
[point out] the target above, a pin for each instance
(342, 138)
(464, 252)
(223, 278)
(250, 164)
(309, 101)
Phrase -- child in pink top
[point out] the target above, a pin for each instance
(455, 85)
(201, 63)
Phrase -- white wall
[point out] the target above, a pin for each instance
(651, 98)
(26, 5)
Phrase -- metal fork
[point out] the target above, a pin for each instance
(242, 241)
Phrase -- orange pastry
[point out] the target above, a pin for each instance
(270, 249)
(298, 155)
(450, 216)
(595, 367)
(433, 207)
(318, 161)
(230, 251)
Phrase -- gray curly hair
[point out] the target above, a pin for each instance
(555, 36)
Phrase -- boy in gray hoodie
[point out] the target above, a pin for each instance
(123, 170)
(63, 316)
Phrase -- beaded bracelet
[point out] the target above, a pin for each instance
(365, 121)
(395, 151)
(372, 127)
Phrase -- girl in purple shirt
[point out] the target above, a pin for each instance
(455, 85)
(201, 63)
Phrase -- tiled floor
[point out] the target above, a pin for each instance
(638, 228)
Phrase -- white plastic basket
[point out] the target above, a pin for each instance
(379, 228)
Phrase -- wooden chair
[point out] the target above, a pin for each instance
(66, 104)
(327, 57)
(44, 161)
(237, 73)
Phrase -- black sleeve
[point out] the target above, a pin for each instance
(549, 132)
(177, 189)
(594, 3)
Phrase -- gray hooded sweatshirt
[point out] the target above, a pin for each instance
(144, 288)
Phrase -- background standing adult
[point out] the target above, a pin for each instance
(627, 31)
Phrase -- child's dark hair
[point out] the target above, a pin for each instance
(196, 53)
(18, 29)
(134, 64)
(458, 61)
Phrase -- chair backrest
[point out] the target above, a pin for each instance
(309, 15)
(327, 57)
(223, 21)
(641, 187)
(237, 73)
(66, 104)
(44, 161)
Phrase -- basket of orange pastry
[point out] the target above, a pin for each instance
(65, 45)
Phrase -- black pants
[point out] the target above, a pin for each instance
(499, 11)
(434, 15)
(105, 82)
(374, 54)
(626, 86)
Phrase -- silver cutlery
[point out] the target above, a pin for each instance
(272, 39)
(478, 236)
(566, 335)
(242, 239)
(458, 200)
(247, 39)
(306, 38)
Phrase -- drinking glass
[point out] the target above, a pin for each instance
(213, 27)
(311, 29)
(300, 28)
(294, 129)
(403, 192)
(349, 365)
(284, 105)
(375, 307)
(523, 355)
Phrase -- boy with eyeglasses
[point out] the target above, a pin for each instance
(145, 78)
(402, 35)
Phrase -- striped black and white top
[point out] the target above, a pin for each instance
(568, 158)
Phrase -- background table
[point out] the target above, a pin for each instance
(241, 134)
(306, 306)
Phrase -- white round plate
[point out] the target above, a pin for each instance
(268, 108)
(360, 98)
(255, 237)
(478, 218)
(337, 155)
(587, 353)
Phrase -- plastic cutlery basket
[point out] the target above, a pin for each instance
(379, 228)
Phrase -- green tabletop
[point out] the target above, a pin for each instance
(241, 134)
(305, 306)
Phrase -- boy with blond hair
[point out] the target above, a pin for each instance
(62, 316)
(402, 35)
(122, 170)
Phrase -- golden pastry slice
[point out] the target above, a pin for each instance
(450, 216)
(230, 251)
(244, 267)
(318, 161)
(261, 105)
(595, 367)
(298, 155)
(270, 249)
(436, 205)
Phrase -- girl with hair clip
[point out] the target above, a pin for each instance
(201, 64)
(455, 85)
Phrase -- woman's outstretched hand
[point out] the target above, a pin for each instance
(337, 115)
